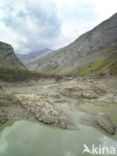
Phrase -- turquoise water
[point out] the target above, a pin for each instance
(26, 138)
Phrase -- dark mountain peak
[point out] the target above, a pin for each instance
(114, 16)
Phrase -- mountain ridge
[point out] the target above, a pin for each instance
(7, 55)
(88, 48)
(25, 58)
(12, 70)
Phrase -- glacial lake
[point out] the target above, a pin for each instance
(31, 138)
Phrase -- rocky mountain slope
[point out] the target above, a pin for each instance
(25, 58)
(11, 69)
(94, 52)
(7, 55)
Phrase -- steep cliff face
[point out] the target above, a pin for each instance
(11, 69)
(7, 54)
(95, 45)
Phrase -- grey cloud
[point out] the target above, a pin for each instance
(47, 20)
(35, 24)
(21, 14)
(45, 24)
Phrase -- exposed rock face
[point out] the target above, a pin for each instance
(87, 49)
(46, 111)
(99, 120)
(3, 117)
(102, 36)
(105, 123)
(7, 54)
(26, 58)
(49, 113)
(93, 92)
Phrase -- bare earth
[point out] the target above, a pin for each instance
(58, 102)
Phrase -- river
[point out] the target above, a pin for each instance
(31, 138)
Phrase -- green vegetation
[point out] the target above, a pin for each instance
(2, 43)
(105, 66)
(108, 65)
(19, 74)
(90, 68)
(56, 71)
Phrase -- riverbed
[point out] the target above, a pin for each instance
(63, 101)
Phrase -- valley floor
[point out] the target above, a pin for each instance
(64, 103)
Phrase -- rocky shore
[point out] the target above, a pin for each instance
(56, 103)
(3, 117)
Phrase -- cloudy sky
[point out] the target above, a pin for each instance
(30, 25)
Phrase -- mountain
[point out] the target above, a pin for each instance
(25, 58)
(11, 69)
(94, 52)
(7, 55)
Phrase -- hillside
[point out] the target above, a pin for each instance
(11, 69)
(94, 52)
(25, 58)
(7, 55)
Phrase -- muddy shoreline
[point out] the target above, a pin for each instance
(56, 102)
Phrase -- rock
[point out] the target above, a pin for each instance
(86, 92)
(69, 78)
(106, 123)
(7, 54)
(3, 117)
(1, 87)
(98, 120)
(45, 111)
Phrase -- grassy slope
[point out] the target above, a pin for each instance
(104, 66)
(108, 65)
(16, 73)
